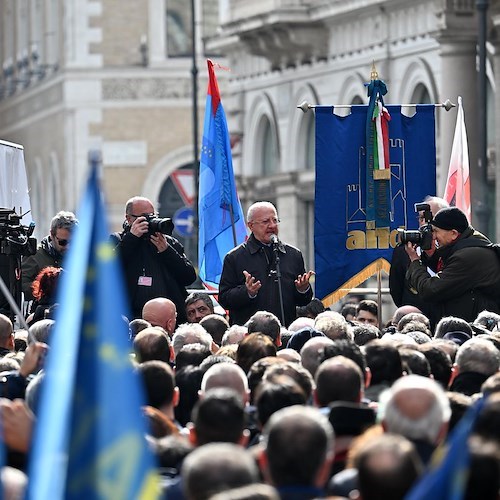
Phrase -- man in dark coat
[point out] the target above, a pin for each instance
(154, 264)
(249, 281)
(401, 292)
(468, 277)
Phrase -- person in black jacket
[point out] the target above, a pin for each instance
(249, 275)
(401, 291)
(154, 264)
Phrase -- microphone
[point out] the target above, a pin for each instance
(274, 239)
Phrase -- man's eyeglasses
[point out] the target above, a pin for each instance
(61, 241)
(267, 222)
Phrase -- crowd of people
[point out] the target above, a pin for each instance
(282, 398)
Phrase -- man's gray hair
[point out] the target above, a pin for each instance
(41, 331)
(334, 326)
(436, 200)
(190, 333)
(130, 203)
(479, 356)
(260, 204)
(63, 220)
(428, 422)
(234, 335)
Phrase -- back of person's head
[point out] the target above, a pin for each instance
(299, 323)
(152, 344)
(484, 469)
(364, 333)
(271, 396)
(216, 326)
(188, 381)
(266, 323)
(452, 324)
(215, 359)
(298, 447)
(486, 424)
(6, 330)
(414, 362)
(388, 466)
(258, 491)
(310, 310)
(254, 347)
(190, 333)
(491, 384)
(384, 362)
(191, 354)
(44, 285)
(217, 467)
(234, 335)
(41, 331)
(439, 362)
(349, 350)
(333, 325)
(257, 370)
(338, 379)
(312, 353)
(296, 372)
(349, 310)
(159, 383)
(136, 326)
(459, 404)
(478, 356)
(413, 317)
(448, 346)
(415, 407)
(300, 337)
(417, 327)
(403, 311)
(219, 416)
(228, 376)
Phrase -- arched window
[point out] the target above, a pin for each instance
(310, 149)
(421, 95)
(270, 157)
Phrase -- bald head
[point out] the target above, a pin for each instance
(6, 332)
(226, 375)
(312, 353)
(160, 312)
(415, 407)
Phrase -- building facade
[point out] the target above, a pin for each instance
(115, 75)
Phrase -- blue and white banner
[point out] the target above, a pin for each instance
(346, 252)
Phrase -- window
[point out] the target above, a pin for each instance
(269, 149)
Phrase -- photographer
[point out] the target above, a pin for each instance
(154, 263)
(468, 270)
(401, 292)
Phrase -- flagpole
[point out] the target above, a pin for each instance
(233, 225)
(306, 106)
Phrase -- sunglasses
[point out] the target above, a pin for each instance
(61, 241)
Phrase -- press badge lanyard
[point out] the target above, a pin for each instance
(145, 280)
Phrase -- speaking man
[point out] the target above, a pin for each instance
(249, 281)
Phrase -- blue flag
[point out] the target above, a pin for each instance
(346, 251)
(89, 438)
(221, 221)
(448, 479)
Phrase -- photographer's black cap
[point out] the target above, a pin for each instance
(451, 218)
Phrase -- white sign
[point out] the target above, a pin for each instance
(124, 153)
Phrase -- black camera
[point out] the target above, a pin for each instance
(15, 238)
(158, 225)
(422, 236)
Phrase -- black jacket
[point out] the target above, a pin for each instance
(468, 283)
(252, 257)
(171, 271)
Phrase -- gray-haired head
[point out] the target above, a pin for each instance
(190, 333)
(479, 356)
(63, 220)
(256, 206)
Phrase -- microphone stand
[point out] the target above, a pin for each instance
(278, 277)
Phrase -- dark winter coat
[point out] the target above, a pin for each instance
(171, 271)
(469, 281)
(254, 258)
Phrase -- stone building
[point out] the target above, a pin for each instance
(116, 75)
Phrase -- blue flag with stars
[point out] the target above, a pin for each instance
(89, 438)
(221, 221)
